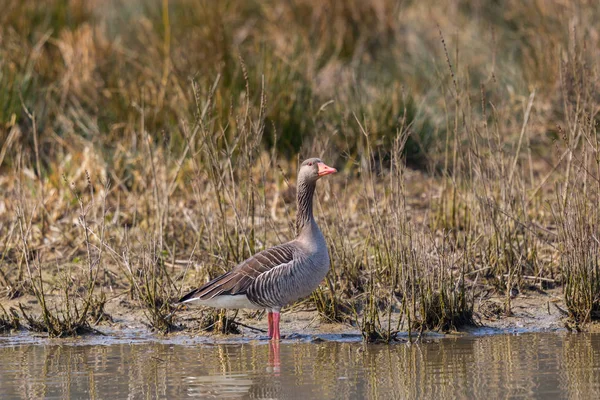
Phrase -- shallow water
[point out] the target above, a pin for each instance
(531, 365)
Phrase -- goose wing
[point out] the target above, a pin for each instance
(237, 281)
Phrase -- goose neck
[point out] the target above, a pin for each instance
(304, 217)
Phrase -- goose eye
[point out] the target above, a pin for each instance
(310, 164)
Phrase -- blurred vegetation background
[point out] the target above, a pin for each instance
(86, 68)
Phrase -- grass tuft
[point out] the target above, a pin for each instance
(9, 320)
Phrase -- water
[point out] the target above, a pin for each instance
(532, 365)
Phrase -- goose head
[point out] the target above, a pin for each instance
(313, 169)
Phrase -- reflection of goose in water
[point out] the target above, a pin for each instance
(232, 385)
(274, 359)
(219, 386)
(282, 274)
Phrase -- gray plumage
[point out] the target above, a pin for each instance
(281, 274)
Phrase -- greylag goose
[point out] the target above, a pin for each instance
(281, 274)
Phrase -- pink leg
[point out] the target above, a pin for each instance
(270, 319)
(276, 332)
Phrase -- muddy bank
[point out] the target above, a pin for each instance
(125, 321)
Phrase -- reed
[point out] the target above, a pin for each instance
(77, 306)
(575, 207)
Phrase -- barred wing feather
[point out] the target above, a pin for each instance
(238, 280)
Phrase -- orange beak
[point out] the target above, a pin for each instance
(325, 170)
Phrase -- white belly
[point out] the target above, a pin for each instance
(233, 302)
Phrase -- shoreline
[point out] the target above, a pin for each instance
(532, 312)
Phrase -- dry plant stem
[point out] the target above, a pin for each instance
(157, 202)
(518, 151)
(6, 281)
(37, 163)
(190, 138)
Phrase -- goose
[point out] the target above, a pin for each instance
(279, 275)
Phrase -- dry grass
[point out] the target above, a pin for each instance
(466, 136)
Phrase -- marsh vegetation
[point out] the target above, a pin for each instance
(148, 146)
